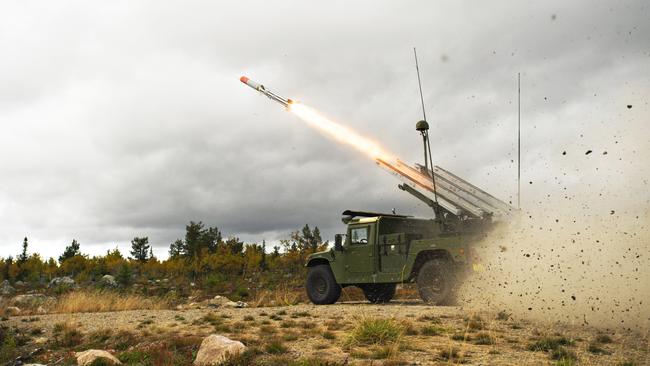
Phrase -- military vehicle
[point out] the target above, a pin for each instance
(379, 251)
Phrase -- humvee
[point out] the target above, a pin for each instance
(380, 250)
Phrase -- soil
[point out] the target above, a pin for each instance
(305, 326)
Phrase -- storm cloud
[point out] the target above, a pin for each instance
(122, 119)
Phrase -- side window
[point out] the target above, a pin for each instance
(359, 235)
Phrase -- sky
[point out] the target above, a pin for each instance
(121, 119)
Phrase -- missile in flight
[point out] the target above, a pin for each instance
(260, 88)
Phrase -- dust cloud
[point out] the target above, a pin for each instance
(580, 250)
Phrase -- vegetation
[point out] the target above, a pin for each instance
(375, 331)
(202, 260)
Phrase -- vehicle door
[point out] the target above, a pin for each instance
(359, 253)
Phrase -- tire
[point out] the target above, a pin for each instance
(435, 282)
(378, 293)
(322, 288)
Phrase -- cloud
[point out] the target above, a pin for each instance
(128, 119)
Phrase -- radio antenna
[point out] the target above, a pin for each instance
(518, 141)
(423, 128)
(417, 69)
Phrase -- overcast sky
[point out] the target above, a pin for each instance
(122, 119)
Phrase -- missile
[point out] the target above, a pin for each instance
(260, 88)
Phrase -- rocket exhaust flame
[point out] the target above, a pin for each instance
(339, 132)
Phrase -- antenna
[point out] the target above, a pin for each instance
(518, 141)
(423, 128)
(417, 69)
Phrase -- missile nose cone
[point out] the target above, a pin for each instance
(244, 79)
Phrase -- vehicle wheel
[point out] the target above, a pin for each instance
(435, 281)
(378, 293)
(321, 285)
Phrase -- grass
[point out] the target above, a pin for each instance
(375, 331)
(275, 348)
(104, 301)
(66, 335)
(546, 344)
(595, 348)
(432, 330)
(484, 339)
(475, 323)
(604, 339)
(329, 335)
(563, 354)
(449, 353)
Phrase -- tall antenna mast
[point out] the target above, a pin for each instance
(518, 141)
(417, 69)
(423, 128)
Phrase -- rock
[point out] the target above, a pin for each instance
(215, 348)
(20, 284)
(222, 301)
(34, 364)
(30, 300)
(218, 301)
(40, 340)
(12, 311)
(65, 281)
(86, 358)
(235, 304)
(6, 289)
(108, 281)
(41, 310)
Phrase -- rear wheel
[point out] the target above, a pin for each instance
(378, 293)
(435, 281)
(321, 285)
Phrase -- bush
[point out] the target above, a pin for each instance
(275, 348)
(371, 331)
(549, 344)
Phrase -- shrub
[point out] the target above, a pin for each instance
(7, 345)
(432, 330)
(275, 348)
(549, 344)
(449, 353)
(370, 331)
(563, 354)
(484, 339)
(65, 335)
(596, 349)
(604, 338)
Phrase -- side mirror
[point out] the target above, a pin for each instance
(338, 242)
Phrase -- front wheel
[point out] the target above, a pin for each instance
(435, 281)
(378, 293)
(322, 288)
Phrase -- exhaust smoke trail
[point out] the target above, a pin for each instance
(339, 132)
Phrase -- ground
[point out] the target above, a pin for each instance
(430, 335)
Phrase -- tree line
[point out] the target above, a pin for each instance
(202, 255)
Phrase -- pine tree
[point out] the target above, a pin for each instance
(22, 258)
(70, 251)
(124, 275)
(177, 249)
(140, 248)
(151, 256)
(316, 239)
(263, 265)
(276, 251)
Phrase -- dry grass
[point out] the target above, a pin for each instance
(104, 301)
(282, 296)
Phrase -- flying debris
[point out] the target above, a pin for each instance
(260, 88)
